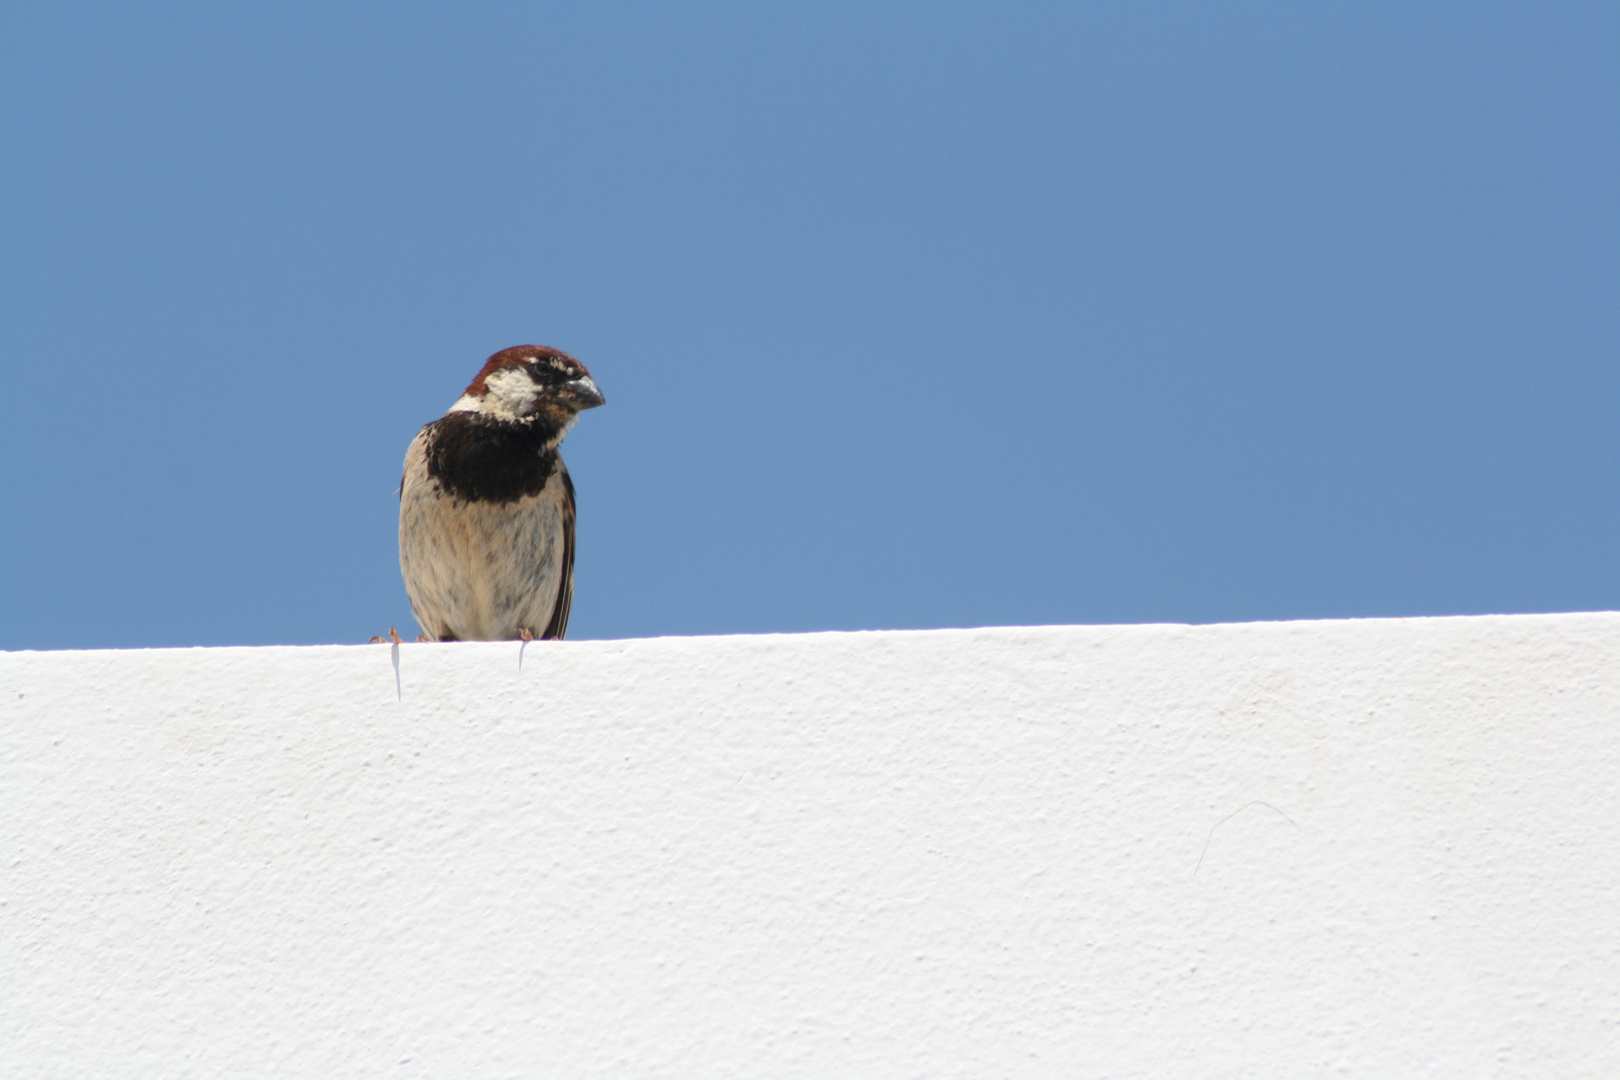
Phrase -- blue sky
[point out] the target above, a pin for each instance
(907, 316)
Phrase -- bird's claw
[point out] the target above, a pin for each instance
(393, 635)
(525, 634)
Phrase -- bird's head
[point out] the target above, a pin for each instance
(531, 382)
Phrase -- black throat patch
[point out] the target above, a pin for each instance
(483, 460)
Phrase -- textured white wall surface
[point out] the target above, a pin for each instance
(1383, 848)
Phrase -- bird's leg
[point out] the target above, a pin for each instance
(525, 634)
(393, 635)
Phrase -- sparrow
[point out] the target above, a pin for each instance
(486, 508)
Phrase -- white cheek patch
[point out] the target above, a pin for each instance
(508, 393)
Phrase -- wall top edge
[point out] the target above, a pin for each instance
(1573, 618)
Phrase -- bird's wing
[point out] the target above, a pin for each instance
(558, 626)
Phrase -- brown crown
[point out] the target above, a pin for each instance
(520, 356)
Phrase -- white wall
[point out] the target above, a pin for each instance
(1386, 848)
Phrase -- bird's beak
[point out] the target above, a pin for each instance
(583, 394)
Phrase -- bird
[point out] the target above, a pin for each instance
(486, 506)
